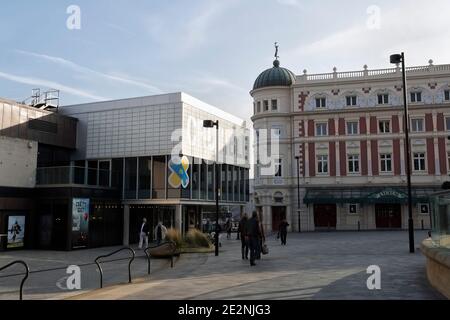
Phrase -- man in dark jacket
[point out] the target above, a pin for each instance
(283, 231)
(241, 232)
(253, 234)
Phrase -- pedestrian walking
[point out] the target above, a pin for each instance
(283, 231)
(241, 232)
(261, 239)
(228, 228)
(160, 233)
(253, 235)
(143, 234)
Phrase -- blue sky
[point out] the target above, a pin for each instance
(210, 49)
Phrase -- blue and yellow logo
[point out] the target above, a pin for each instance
(179, 176)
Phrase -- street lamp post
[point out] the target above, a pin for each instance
(396, 59)
(298, 192)
(212, 124)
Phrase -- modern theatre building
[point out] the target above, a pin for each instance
(341, 159)
(122, 161)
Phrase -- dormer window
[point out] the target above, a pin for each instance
(274, 105)
(416, 96)
(351, 101)
(383, 99)
(321, 103)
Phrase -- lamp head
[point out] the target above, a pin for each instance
(396, 58)
(208, 124)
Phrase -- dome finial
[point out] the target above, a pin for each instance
(276, 62)
(276, 51)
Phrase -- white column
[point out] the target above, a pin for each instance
(437, 163)
(337, 153)
(402, 157)
(369, 158)
(290, 218)
(267, 218)
(370, 211)
(126, 225)
(306, 157)
(179, 218)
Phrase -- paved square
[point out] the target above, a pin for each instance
(312, 266)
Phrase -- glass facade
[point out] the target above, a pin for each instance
(230, 183)
(147, 178)
(145, 169)
(159, 178)
(195, 181)
(130, 178)
(223, 177)
(236, 183)
(211, 183)
(203, 180)
(186, 192)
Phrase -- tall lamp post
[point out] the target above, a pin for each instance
(212, 124)
(298, 193)
(396, 59)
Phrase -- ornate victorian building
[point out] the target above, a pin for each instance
(341, 135)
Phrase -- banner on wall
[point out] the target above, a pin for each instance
(179, 172)
(80, 222)
(16, 232)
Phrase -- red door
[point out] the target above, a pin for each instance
(388, 216)
(278, 215)
(325, 216)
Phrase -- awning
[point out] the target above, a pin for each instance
(368, 195)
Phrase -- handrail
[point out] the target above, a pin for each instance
(112, 253)
(27, 272)
(171, 256)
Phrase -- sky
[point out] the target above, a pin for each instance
(213, 50)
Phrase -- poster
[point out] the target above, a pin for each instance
(16, 232)
(80, 222)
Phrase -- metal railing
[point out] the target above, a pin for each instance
(173, 250)
(27, 273)
(113, 253)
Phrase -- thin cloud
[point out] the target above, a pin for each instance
(50, 84)
(81, 69)
(293, 3)
(411, 29)
(120, 29)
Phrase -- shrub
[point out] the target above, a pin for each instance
(175, 236)
(196, 239)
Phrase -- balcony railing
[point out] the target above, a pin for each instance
(366, 73)
(71, 175)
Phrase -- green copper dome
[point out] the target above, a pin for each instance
(275, 77)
